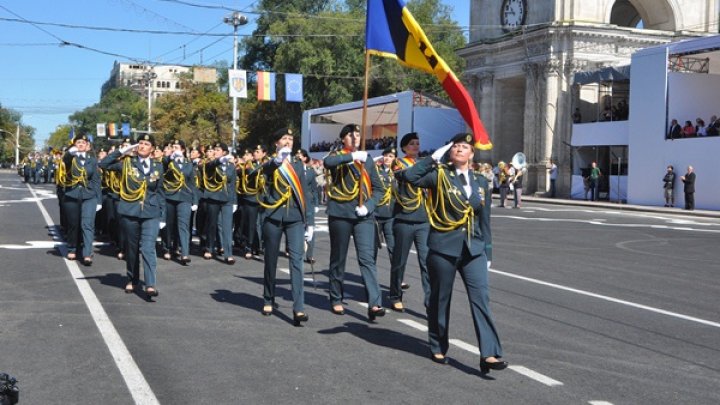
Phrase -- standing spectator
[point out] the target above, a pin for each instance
(553, 178)
(688, 130)
(595, 174)
(700, 129)
(712, 128)
(675, 131)
(517, 186)
(668, 186)
(689, 180)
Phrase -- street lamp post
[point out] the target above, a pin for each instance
(235, 19)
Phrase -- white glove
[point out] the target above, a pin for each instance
(376, 159)
(224, 159)
(360, 155)
(440, 152)
(317, 209)
(98, 207)
(177, 154)
(234, 207)
(193, 207)
(73, 151)
(489, 264)
(361, 211)
(128, 149)
(512, 187)
(162, 224)
(309, 231)
(282, 154)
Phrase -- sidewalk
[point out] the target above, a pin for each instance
(615, 206)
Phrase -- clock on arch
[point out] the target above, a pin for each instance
(512, 14)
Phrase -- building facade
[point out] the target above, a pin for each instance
(161, 79)
(523, 54)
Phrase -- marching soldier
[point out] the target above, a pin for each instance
(352, 173)
(289, 211)
(240, 163)
(221, 202)
(141, 208)
(250, 190)
(181, 200)
(460, 240)
(409, 226)
(79, 178)
(384, 210)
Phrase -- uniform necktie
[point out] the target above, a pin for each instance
(463, 180)
(146, 166)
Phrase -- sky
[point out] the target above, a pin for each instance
(47, 81)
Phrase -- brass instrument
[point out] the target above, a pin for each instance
(519, 162)
(501, 172)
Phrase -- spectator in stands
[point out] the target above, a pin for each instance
(675, 131)
(688, 130)
(623, 110)
(712, 128)
(577, 117)
(700, 129)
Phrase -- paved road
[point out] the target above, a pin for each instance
(593, 305)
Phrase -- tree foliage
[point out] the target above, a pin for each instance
(9, 120)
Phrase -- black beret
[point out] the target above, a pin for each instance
(147, 137)
(222, 146)
(260, 148)
(79, 137)
(179, 142)
(390, 149)
(407, 138)
(247, 150)
(349, 128)
(280, 133)
(463, 137)
(303, 153)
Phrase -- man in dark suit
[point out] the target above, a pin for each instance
(675, 130)
(351, 173)
(689, 188)
(289, 210)
(79, 179)
(460, 240)
(141, 208)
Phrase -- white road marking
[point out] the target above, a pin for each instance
(42, 244)
(600, 403)
(604, 224)
(607, 298)
(134, 379)
(541, 378)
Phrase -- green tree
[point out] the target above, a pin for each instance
(118, 105)
(9, 121)
(60, 137)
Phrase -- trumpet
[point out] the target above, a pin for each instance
(519, 163)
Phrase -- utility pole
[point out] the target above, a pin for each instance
(235, 19)
(150, 76)
(17, 146)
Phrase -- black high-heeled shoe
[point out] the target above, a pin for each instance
(299, 317)
(184, 260)
(485, 366)
(265, 312)
(129, 288)
(372, 314)
(151, 293)
(340, 311)
(440, 360)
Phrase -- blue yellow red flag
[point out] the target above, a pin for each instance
(266, 86)
(391, 31)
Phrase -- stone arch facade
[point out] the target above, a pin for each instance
(656, 14)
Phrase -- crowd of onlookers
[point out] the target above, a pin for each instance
(619, 112)
(676, 131)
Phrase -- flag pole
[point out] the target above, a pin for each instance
(364, 123)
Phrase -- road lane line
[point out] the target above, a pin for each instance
(600, 403)
(134, 379)
(465, 346)
(607, 298)
(414, 324)
(287, 271)
(541, 378)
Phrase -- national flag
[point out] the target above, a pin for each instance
(125, 129)
(237, 83)
(391, 31)
(100, 130)
(71, 135)
(293, 87)
(266, 86)
(90, 138)
(112, 131)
